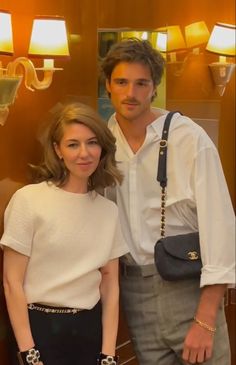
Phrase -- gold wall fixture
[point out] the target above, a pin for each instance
(48, 42)
(222, 42)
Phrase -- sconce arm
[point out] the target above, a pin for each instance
(31, 79)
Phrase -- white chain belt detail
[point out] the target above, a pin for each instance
(53, 310)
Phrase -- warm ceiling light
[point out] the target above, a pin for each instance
(6, 42)
(196, 34)
(222, 42)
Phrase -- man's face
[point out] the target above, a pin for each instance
(131, 88)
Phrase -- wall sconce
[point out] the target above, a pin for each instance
(161, 41)
(170, 40)
(48, 41)
(196, 34)
(222, 42)
(144, 36)
(174, 40)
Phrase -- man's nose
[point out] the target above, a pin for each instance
(130, 89)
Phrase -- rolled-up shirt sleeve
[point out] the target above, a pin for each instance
(216, 219)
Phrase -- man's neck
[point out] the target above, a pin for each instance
(135, 130)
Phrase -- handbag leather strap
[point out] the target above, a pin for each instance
(161, 171)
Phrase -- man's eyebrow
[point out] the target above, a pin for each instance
(145, 80)
(137, 80)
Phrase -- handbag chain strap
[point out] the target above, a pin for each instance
(161, 171)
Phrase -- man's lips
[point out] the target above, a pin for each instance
(130, 103)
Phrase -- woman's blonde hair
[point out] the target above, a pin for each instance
(53, 169)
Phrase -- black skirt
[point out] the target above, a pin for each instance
(67, 338)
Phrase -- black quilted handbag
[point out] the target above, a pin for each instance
(176, 257)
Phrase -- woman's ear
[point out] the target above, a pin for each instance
(57, 150)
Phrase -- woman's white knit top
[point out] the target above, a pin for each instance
(68, 237)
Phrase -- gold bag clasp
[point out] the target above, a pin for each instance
(193, 255)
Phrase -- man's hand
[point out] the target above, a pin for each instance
(198, 345)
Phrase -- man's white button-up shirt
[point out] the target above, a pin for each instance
(197, 196)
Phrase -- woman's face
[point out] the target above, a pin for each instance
(81, 152)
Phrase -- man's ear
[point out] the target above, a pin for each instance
(108, 86)
(57, 150)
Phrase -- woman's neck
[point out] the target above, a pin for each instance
(75, 186)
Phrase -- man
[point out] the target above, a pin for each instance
(170, 322)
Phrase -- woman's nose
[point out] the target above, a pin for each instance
(83, 150)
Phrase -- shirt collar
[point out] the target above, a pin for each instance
(156, 126)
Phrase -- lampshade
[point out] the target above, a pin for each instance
(161, 42)
(222, 39)
(196, 34)
(6, 42)
(144, 36)
(49, 38)
(131, 34)
(175, 39)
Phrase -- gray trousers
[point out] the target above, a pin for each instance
(159, 314)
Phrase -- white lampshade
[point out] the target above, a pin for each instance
(144, 36)
(222, 39)
(196, 34)
(161, 42)
(175, 39)
(49, 38)
(6, 42)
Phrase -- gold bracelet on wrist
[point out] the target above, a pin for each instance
(205, 325)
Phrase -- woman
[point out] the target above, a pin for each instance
(61, 246)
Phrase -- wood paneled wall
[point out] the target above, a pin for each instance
(18, 138)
